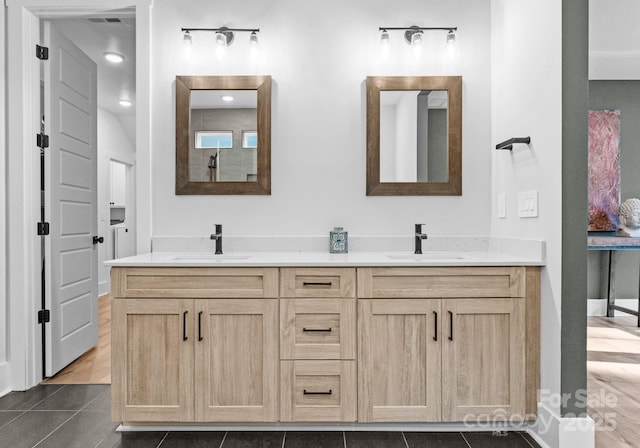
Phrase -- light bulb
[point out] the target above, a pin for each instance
(385, 41)
(221, 45)
(221, 39)
(253, 39)
(187, 38)
(451, 43)
(416, 39)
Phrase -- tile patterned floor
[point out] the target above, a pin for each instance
(78, 416)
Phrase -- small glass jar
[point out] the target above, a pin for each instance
(338, 241)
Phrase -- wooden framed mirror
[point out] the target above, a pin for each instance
(414, 135)
(223, 135)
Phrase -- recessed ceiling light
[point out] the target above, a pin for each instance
(116, 58)
(125, 102)
(227, 98)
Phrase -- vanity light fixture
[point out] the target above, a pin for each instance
(223, 36)
(413, 35)
(111, 56)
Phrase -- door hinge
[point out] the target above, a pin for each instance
(43, 228)
(42, 53)
(42, 141)
(44, 316)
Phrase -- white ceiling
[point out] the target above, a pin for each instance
(97, 34)
(212, 99)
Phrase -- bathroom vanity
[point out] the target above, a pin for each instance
(324, 338)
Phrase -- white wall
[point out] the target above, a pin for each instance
(113, 143)
(614, 41)
(319, 58)
(4, 311)
(527, 101)
(387, 143)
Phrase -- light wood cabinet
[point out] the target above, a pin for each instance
(318, 391)
(483, 371)
(152, 360)
(454, 358)
(398, 360)
(179, 359)
(254, 345)
(317, 328)
(236, 360)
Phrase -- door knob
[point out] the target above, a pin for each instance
(98, 239)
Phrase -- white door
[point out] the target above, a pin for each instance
(71, 272)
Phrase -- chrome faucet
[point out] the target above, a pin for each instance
(218, 237)
(419, 237)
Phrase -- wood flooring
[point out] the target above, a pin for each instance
(94, 367)
(613, 376)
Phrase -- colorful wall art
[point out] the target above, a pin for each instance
(604, 169)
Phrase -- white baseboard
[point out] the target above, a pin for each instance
(598, 307)
(5, 379)
(553, 431)
(103, 288)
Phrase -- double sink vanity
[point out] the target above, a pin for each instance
(292, 337)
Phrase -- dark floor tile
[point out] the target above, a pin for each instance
(317, 439)
(85, 429)
(22, 401)
(102, 402)
(529, 439)
(193, 439)
(488, 440)
(7, 416)
(73, 398)
(253, 440)
(435, 440)
(31, 427)
(132, 440)
(375, 440)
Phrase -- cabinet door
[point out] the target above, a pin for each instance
(152, 360)
(483, 372)
(237, 360)
(399, 360)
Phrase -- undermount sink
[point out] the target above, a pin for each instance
(428, 256)
(208, 257)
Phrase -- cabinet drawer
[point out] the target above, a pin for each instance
(317, 328)
(441, 282)
(195, 282)
(318, 282)
(318, 391)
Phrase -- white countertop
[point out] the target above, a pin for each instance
(322, 259)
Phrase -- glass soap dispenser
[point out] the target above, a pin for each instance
(338, 241)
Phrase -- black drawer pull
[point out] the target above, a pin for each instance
(327, 330)
(306, 392)
(450, 325)
(435, 331)
(200, 326)
(317, 283)
(184, 326)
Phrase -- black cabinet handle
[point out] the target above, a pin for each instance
(184, 326)
(316, 283)
(450, 326)
(306, 392)
(317, 329)
(200, 326)
(435, 321)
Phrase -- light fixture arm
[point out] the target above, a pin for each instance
(222, 29)
(418, 28)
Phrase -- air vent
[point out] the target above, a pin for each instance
(105, 20)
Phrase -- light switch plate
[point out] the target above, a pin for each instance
(502, 206)
(528, 204)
